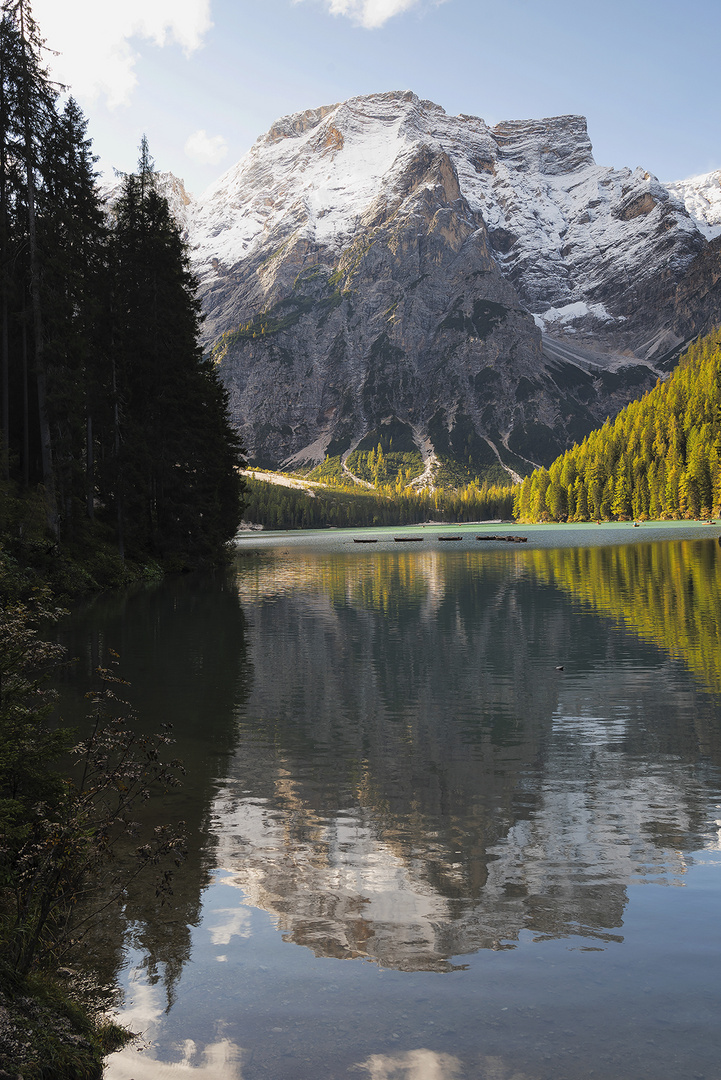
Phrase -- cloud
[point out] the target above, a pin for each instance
(369, 13)
(97, 42)
(207, 149)
(414, 1065)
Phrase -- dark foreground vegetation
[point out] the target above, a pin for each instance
(109, 412)
(63, 831)
(117, 462)
(660, 457)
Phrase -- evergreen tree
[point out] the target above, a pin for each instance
(72, 241)
(174, 461)
(35, 112)
(660, 457)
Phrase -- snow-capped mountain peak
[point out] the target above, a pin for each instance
(561, 226)
(701, 196)
(491, 291)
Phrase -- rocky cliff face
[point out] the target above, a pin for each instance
(491, 292)
(701, 195)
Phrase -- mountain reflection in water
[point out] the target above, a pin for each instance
(424, 782)
(386, 765)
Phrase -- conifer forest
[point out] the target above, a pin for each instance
(117, 460)
(659, 458)
(111, 417)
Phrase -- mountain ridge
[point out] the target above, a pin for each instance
(492, 289)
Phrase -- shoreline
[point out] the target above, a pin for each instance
(551, 535)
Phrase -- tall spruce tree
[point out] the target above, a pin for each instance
(37, 98)
(27, 111)
(9, 186)
(72, 242)
(175, 456)
(13, 281)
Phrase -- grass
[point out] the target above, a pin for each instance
(48, 1034)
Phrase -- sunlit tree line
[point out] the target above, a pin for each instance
(277, 507)
(659, 458)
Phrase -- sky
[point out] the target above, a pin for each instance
(203, 79)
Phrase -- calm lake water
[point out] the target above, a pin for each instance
(454, 808)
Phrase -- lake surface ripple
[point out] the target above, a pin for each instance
(453, 813)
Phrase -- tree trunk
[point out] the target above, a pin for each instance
(46, 455)
(89, 470)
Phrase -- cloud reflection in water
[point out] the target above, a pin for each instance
(144, 1013)
(413, 1065)
(425, 1064)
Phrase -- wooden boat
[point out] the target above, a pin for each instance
(507, 539)
(356, 540)
(408, 539)
(449, 537)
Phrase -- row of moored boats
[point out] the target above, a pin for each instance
(420, 539)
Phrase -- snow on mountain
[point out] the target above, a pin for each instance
(564, 230)
(562, 227)
(570, 313)
(305, 173)
(491, 292)
(701, 196)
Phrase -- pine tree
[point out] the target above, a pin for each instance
(72, 243)
(10, 184)
(660, 457)
(37, 108)
(27, 112)
(176, 485)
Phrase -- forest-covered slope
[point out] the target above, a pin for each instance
(659, 458)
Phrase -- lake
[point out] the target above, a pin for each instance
(454, 807)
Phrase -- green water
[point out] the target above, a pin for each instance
(420, 850)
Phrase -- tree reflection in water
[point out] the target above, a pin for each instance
(407, 779)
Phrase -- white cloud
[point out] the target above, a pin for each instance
(207, 149)
(369, 13)
(98, 42)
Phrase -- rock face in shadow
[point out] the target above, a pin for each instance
(492, 288)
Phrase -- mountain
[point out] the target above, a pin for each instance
(701, 195)
(487, 294)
